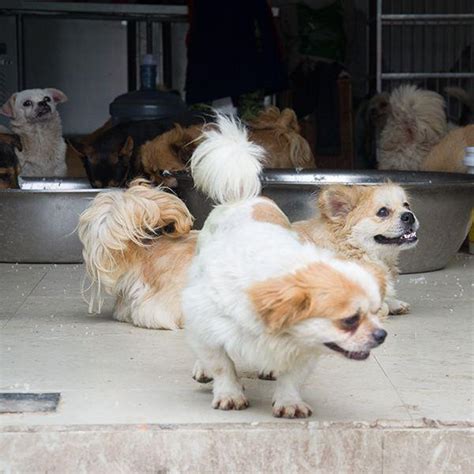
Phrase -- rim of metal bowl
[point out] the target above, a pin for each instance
(291, 177)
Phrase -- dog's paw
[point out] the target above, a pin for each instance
(291, 409)
(398, 307)
(384, 311)
(199, 373)
(230, 401)
(264, 375)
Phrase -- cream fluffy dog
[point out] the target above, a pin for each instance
(36, 121)
(415, 122)
(256, 290)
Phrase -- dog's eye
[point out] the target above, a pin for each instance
(47, 99)
(351, 322)
(27, 103)
(383, 212)
(405, 204)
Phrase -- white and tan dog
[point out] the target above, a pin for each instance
(258, 291)
(34, 118)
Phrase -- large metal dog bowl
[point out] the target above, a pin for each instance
(441, 201)
(38, 223)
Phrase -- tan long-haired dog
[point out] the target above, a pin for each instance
(366, 223)
(169, 152)
(278, 132)
(137, 247)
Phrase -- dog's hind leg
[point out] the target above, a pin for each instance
(122, 311)
(154, 313)
(200, 373)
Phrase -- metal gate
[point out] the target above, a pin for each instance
(425, 42)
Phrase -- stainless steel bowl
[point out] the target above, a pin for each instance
(38, 223)
(442, 202)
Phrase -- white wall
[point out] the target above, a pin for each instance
(87, 59)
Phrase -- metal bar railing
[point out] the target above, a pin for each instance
(379, 46)
(427, 16)
(427, 75)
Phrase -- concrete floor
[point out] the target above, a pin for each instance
(127, 394)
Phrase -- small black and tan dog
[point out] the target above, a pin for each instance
(9, 164)
(113, 158)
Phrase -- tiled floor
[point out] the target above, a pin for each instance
(113, 376)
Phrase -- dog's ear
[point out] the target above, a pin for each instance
(58, 96)
(169, 181)
(8, 107)
(336, 202)
(78, 147)
(280, 301)
(127, 148)
(289, 120)
(378, 110)
(317, 290)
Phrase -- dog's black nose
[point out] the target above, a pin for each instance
(43, 104)
(379, 335)
(408, 218)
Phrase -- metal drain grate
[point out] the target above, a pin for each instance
(28, 402)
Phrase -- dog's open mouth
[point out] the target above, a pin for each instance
(361, 355)
(406, 238)
(42, 112)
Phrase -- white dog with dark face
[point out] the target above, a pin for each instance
(256, 290)
(34, 118)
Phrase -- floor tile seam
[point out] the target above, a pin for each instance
(24, 300)
(404, 404)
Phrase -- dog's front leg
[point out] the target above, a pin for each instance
(227, 390)
(287, 401)
(395, 306)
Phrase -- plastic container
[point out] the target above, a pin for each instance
(469, 159)
(469, 163)
(148, 73)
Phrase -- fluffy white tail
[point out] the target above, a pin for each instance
(226, 165)
(117, 223)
